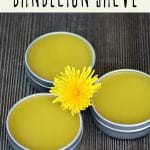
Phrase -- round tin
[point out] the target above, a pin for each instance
(121, 131)
(42, 84)
(17, 146)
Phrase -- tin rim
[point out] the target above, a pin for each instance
(121, 130)
(146, 122)
(76, 138)
(53, 33)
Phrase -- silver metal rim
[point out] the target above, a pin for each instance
(52, 33)
(77, 137)
(120, 134)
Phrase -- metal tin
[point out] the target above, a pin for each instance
(121, 131)
(17, 146)
(39, 83)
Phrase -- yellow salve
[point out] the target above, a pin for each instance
(38, 124)
(49, 55)
(124, 97)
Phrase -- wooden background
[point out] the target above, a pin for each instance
(120, 41)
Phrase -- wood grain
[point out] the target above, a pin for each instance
(120, 41)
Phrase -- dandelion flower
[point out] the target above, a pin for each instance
(74, 88)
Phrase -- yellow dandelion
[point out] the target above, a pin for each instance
(74, 88)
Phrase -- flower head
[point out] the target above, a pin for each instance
(74, 88)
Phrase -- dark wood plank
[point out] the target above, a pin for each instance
(120, 41)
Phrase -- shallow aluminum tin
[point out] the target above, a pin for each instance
(121, 131)
(38, 82)
(16, 146)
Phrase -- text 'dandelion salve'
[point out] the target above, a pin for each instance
(74, 3)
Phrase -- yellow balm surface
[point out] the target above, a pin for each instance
(38, 124)
(124, 97)
(49, 55)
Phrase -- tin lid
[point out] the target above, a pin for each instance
(39, 82)
(142, 128)
(15, 144)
